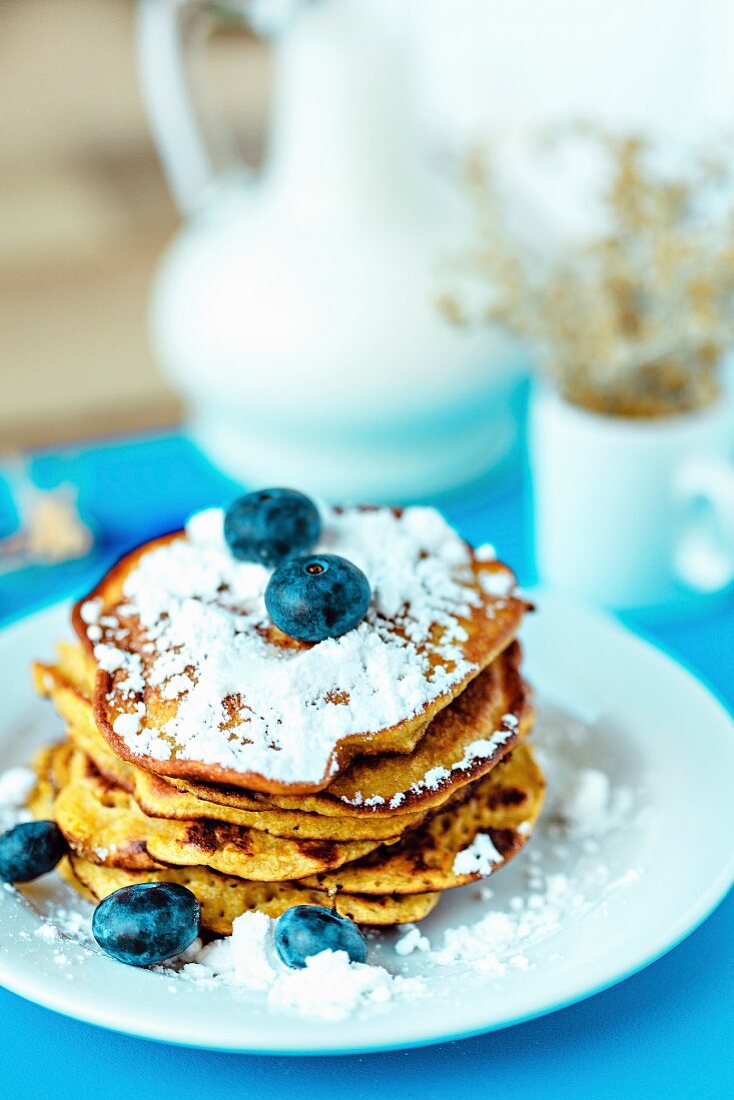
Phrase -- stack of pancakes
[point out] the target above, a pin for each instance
(368, 773)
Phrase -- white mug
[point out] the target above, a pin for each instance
(633, 514)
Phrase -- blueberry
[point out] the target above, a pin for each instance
(271, 525)
(29, 850)
(307, 929)
(317, 596)
(147, 923)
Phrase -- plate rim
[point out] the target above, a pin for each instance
(16, 981)
(374, 1048)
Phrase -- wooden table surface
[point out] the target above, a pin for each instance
(84, 216)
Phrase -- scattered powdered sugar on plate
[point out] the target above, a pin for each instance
(15, 786)
(413, 940)
(199, 637)
(332, 987)
(590, 805)
(566, 867)
(500, 937)
(329, 986)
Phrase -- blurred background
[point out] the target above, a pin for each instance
(85, 213)
(336, 243)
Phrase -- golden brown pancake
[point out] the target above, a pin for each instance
(478, 636)
(222, 897)
(462, 743)
(103, 822)
(504, 805)
(157, 796)
(373, 771)
(103, 825)
(452, 752)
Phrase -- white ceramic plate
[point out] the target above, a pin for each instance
(606, 700)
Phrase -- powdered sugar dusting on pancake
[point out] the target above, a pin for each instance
(192, 628)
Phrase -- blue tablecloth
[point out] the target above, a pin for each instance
(666, 1032)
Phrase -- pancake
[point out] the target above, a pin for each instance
(158, 798)
(504, 806)
(463, 742)
(372, 771)
(103, 823)
(51, 765)
(193, 681)
(103, 826)
(222, 897)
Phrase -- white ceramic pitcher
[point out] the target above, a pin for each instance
(295, 311)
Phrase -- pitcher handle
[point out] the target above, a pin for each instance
(704, 557)
(170, 34)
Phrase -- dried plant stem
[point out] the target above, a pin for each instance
(636, 321)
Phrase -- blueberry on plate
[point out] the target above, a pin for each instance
(307, 929)
(147, 923)
(30, 850)
(317, 596)
(271, 525)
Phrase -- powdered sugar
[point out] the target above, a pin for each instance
(497, 583)
(203, 642)
(47, 931)
(329, 986)
(243, 959)
(15, 786)
(90, 611)
(413, 940)
(500, 935)
(332, 987)
(566, 868)
(479, 858)
(126, 725)
(485, 552)
(590, 806)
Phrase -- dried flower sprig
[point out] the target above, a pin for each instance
(634, 322)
